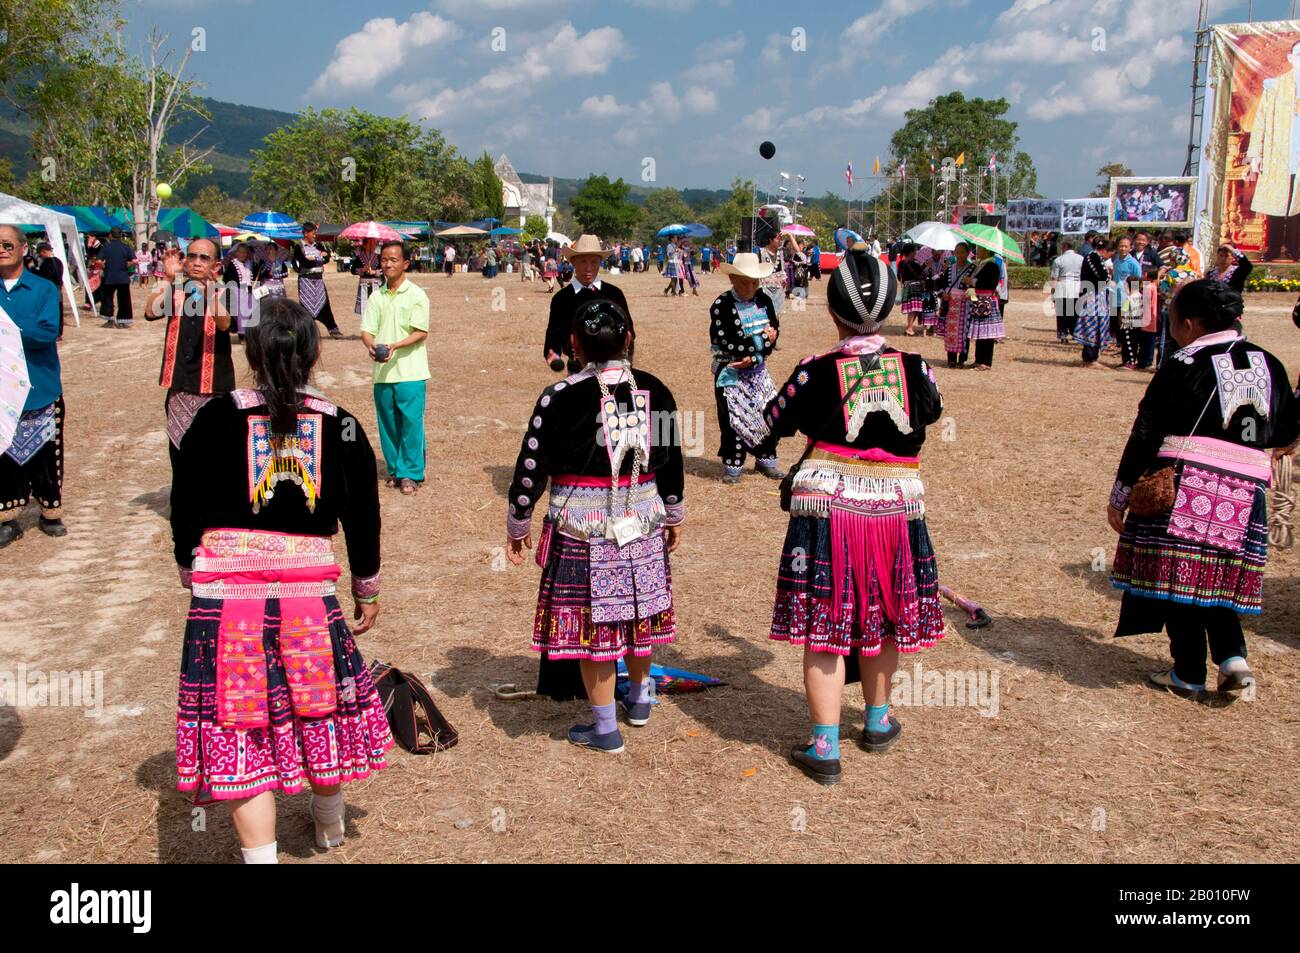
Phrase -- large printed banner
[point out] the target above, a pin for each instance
(1080, 216)
(1250, 141)
(1153, 203)
(1034, 215)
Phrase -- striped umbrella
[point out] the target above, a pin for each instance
(994, 239)
(272, 224)
(376, 230)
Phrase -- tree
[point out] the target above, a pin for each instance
(1111, 170)
(489, 197)
(116, 153)
(32, 39)
(534, 228)
(603, 208)
(662, 207)
(725, 219)
(354, 165)
(948, 127)
(216, 206)
(820, 222)
(7, 181)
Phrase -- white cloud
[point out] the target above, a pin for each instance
(872, 26)
(603, 107)
(1036, 46)
(721, 73)
(772, 49)
(565, 53)
(721, 47)
(465, 8)
(663, 101)
(381, 47)
(700, 100)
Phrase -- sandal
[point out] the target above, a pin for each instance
(390, 482)
(408, 487)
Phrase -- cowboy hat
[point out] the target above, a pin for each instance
(747, 265)
(585, 245)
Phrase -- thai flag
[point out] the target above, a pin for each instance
(848, 174)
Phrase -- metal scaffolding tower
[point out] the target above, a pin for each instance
(1200, 67)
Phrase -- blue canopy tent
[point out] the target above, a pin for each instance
(414, 229)
(95, 219)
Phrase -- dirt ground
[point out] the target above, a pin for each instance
(1081, 762)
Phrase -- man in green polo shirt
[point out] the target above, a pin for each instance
(393, 328)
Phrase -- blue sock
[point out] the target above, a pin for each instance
(1181, 684)
(877, 719)
(606, 720)
(826, 742)
(638, 692)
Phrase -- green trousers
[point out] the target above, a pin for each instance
(400, 409)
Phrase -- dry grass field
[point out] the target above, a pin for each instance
(1081, 762)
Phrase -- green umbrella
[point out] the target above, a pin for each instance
(994, 239)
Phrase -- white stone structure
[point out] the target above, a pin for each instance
(522, 199)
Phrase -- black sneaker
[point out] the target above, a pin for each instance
(879, 742)
(9, 531)
(54, 527)
(823, 771)
(772, 471)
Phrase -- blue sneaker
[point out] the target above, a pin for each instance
(637, 715)
(584, 736)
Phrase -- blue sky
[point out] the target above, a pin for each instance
(696, 85)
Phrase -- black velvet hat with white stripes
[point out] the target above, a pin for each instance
(861, 291)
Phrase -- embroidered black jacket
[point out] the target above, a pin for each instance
(901, 395)
(220, 465)
(565, 437)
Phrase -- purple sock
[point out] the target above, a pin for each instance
(606, 720)
(638, 692)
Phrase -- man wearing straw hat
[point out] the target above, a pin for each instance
(743, 327)
(585, 255)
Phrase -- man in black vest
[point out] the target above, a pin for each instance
(585, 255)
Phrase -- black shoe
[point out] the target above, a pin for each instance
(53, 528)
(335, 333)
(772, 472)
(881, 741)
(822, 771)
(9, 531)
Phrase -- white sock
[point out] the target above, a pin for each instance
(327, 810)
(1234, 664)
(260, 855)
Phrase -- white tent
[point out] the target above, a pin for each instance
(60, 230)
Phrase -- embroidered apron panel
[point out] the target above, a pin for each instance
(1212, 509)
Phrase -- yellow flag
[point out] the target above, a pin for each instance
(876, 168)
(961, 159)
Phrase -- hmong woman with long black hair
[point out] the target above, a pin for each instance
(857, 582)
(273, 690)
(606, 438)
(1193, 476)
